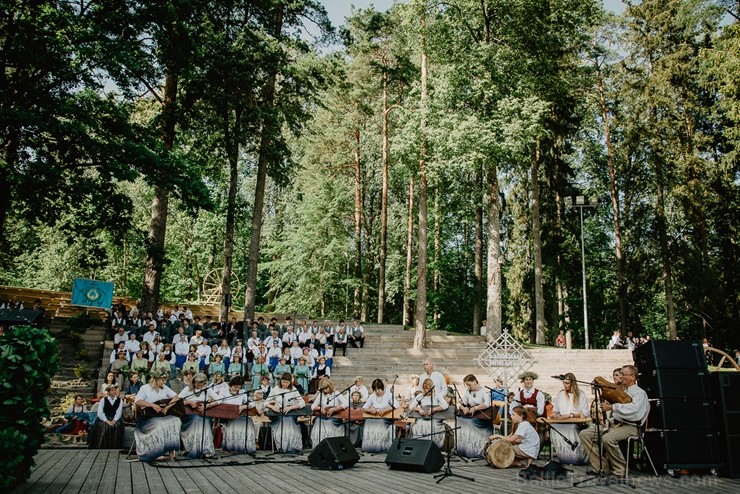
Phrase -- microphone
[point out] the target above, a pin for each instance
(574, 446)
(559, 377)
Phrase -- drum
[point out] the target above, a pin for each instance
(499, 453)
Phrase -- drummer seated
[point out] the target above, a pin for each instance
(524, 439)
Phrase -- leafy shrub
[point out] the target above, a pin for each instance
(82, 371)
(28, 360)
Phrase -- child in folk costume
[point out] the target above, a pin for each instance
(525, 439)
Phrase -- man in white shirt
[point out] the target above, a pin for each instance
(121, 336)
(627, 417)
(149, 335)
(440, 384)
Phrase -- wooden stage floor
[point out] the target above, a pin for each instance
(76, 470)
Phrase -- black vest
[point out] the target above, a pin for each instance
(110, 409)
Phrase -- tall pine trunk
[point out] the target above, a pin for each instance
(478, 261)
(160, 203)
(539, 296)
(265, 155)
(495, 290)
(383, 203)
(358, 228)
(420, 314)
(233, 157)
(408, 310)
(621, 285)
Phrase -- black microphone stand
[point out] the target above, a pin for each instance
(281, 448)
(601, 475)
(550, 428)
(448, 470)
(454, 447)
(203, 425)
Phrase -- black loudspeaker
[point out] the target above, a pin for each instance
(414, 455)
(334, 453)
(683, 449)
(676, 383)
(726, 392)
(665, 354)
(680, 414)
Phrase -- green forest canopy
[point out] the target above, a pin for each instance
(181, 145)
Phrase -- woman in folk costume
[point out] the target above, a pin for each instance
(570, 403)
(475, 419)
(197, 430)
(286, 432)
(377, 434)
(107, 432)
(329, 403)
(239, 436)
(426, 404)
(159, 434)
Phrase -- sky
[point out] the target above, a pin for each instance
(339, 9)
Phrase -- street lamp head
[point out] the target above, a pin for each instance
(569, 201)
(580, 200)
(594, 201)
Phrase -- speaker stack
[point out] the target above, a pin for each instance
(681, 431)
(726, 393)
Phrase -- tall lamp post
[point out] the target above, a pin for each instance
(580, 203)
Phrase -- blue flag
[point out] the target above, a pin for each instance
(92, 293)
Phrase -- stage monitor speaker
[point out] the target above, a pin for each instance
(726, 392)
(665, 354)
(414, 455)
(334, 453)
(686, 384)
(680, 414)
(683, 449)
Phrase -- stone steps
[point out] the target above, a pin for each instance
(388, 353)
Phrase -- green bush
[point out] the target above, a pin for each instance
(28, 361)
(82, 371)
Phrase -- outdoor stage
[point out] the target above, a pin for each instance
(77, 470)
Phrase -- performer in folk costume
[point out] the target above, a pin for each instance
(626, 418)
(525, 439)
(528, 396)
(197, 430)
(329, 402)
(302, 373)
(425, 403)
(378, 432)
(157, 435)
(107, 432)
(286, 432)
(474, 431)
(569, 403)
(239, 435)
(79, 418)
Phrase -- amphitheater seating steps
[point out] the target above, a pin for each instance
(389, 352)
